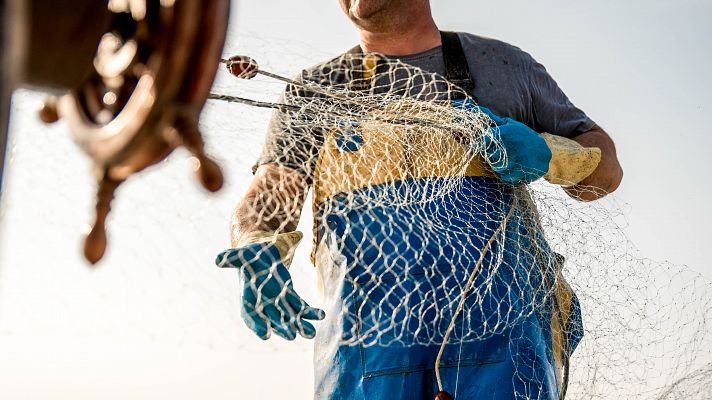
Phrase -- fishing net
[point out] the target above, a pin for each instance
(417, 243)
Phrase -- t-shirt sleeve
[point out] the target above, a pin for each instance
(552, 111)
(292, 140)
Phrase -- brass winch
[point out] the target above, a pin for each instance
(137, 74)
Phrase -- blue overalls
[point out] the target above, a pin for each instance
(379, 342)
(393, 275)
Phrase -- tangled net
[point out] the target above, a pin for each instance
(418, 244)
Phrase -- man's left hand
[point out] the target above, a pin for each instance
(515, 152)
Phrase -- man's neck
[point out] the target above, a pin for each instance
(415, 39)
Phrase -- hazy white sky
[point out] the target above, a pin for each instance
(156, 320)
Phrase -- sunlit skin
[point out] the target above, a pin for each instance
(392, 27)
(396, 27)
(607, 176)
(273, 202)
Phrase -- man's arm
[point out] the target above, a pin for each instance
(270, 210)
(553, 112)
(607, 176)
(273, 202)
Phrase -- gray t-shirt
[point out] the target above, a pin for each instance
(507, 80)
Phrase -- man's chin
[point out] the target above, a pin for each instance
(363, 10)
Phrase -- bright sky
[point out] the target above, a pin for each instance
(156, 320)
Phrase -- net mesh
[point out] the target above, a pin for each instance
(417, 243)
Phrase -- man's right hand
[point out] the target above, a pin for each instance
(269, 302)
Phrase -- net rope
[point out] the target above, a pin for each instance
(417, 243)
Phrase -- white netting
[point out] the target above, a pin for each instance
(418, 244)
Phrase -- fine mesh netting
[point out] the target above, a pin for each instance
(418, 243)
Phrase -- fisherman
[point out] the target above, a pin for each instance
(523, 100)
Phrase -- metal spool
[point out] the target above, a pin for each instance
(151, 75)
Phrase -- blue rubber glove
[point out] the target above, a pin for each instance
(527, 154)
(269, 302)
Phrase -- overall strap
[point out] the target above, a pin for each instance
(456, 69)
(356, 50)
(360, 81)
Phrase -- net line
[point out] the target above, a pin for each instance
(461, 303)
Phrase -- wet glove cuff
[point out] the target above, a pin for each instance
(286, 243)
(570, 162)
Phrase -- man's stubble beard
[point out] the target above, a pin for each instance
(375, 15)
